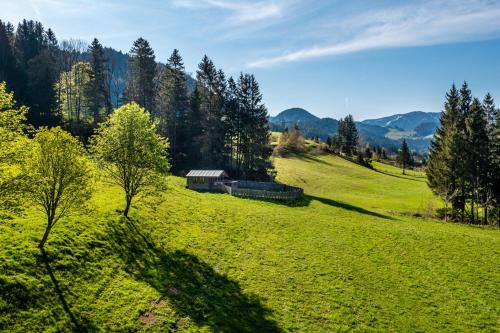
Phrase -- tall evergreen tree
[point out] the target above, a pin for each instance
(173, 110)
(347, 134)
(404, 156)
(97, 88)
(443, 164)
(141, 75)
(211, 91)
(495, 162)
(7, 59)
(34, 48)
(478, 155)
(256, 134)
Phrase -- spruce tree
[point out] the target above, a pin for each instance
(478, 157)
(495, 162)
(97, 89)
(442, 166)
(7, 59)
(211, 92)
(173, 110)
(404, 156)
(141, 75)
(256, 135)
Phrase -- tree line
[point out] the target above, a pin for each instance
(219, 124)
(464, 161)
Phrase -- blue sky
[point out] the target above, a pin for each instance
(369, 58)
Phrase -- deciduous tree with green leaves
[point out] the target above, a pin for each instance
(131, 153)
(12, 144)
(59, 175)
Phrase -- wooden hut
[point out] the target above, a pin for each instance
(204, 179)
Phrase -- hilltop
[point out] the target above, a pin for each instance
(416, 127)
(352, 255)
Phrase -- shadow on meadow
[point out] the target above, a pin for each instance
(421, 179)
(77, 323)
(193, 287)
(343, 205)
(22, 294)
(310, 158)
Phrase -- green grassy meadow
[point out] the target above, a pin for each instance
(350, 256)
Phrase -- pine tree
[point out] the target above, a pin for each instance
(210, 85)
(141, 75)
(348, 135)
(461, 150)
(478, 141)
(233, 126)
(442, 165)
(97, 89)
(488, 195)
(404, 157)
(495, 162)
(256, 135)
(195, 130)
(34, 50)
(173, 110)
(7, 59)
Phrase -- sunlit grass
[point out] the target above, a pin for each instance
(349, 256)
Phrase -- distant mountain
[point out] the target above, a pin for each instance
(416, 127)
(406, 122)
(294, 115)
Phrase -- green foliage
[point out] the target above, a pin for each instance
(461, 166)
(130, 152)
(349, 257)
(172, 111)
(74, 103)
(347, 135)
(141, 75)
(97, 88)
(12, 145)
(58, 175)
(290, 142)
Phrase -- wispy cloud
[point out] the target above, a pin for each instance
(428, 23)
(240, 12)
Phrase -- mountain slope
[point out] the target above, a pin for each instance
(293, 115)
(350, 256)
(405, 122)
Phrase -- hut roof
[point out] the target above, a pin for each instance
(207, 173)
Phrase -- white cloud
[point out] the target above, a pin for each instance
(241, 12)
(430, 23)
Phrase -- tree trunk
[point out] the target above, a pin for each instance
(485, 221)
(128, 201)
(472, 211)
(45, 235)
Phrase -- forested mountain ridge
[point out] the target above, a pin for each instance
(416, 127)
(407, 121)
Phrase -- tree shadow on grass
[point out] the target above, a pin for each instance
(407, 177)
(343, 205)
(309, 158)
(77, 324)
(193, 287)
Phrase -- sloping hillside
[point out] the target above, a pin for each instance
(350, 256)
(407, 121)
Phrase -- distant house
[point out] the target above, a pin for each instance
(204, 179)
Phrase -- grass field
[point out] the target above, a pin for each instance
(349, 257)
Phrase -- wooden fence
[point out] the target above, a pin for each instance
(261, 190)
